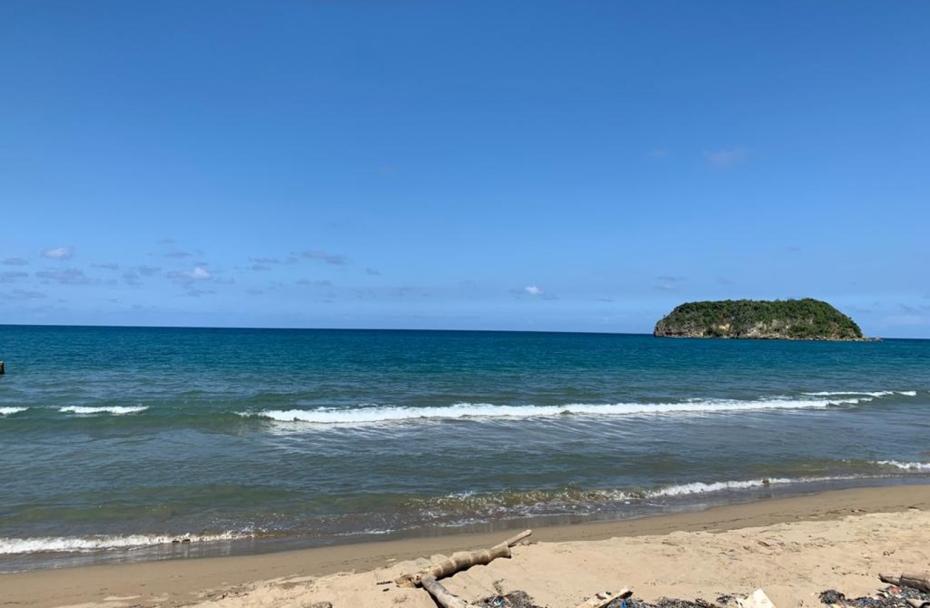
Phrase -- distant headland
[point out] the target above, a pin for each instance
(805, 319)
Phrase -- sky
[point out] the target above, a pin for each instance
(566, 166)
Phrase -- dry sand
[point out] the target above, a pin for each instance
(793, 548)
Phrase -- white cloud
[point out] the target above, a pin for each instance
(533, 290)
(199, 273)
(59, 253)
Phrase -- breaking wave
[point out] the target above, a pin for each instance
(906, 466)
(116, 410)
(67, 544)
(372, 415)
(9, 411)
(578, 501)
(862, 394)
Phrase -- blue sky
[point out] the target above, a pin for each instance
(477, 165)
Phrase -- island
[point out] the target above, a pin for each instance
(804, 319)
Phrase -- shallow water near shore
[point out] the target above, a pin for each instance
(118, 441)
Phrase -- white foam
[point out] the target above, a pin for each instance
(862, 394)
(9, 411)
(69, 544)
(116, 410)
(906, 466)
(370, 415)
(699, 487)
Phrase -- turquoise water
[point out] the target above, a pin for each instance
(114, 442)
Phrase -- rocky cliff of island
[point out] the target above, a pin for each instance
(806, 319)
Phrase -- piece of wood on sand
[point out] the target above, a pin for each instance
(919, 580)
(461, 560)
(602, 599)
(441, 595)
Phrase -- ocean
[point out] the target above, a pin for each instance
(121, 444)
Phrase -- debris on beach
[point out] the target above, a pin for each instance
(903, 591)
(758, 598)
(463, 560)
(890, 597)
(665, 602)
(514, 599)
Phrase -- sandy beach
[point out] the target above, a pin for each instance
(793, 548)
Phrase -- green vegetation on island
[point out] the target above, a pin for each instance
(805, 319)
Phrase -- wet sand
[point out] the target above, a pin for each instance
(790, 546)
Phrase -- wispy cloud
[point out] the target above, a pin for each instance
(199, 273)
(22, 294)
(195, 292)
(668, 282)
(59, 253)
(14, 261)
(148, 271)
(106, 266)
(374, 272)
(133, 276)
(533, 290)
(269, 261)
(326, 257)
(11, 276)
(68, 276)
(309, 283)
(195, 280)
(725, 158)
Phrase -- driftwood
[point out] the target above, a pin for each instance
(462, 560)
(601, 600)
(441, 595)
(919, 581)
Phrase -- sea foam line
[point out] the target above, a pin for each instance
(116, 410)
(9, 411)
(862, 394)
(371, 415)
(906, 466)
(700, 487)
(73, 544)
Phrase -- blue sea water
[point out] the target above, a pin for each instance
(115, 442)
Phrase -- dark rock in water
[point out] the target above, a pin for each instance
(2, 368)
(806, 319)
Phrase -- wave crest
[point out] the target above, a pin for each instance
(373, 415)
(68, 544)
(9, 411)
(116, 410)
(906, 466)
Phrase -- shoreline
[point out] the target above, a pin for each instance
(184, 581)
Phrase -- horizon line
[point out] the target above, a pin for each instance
(412, 329)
